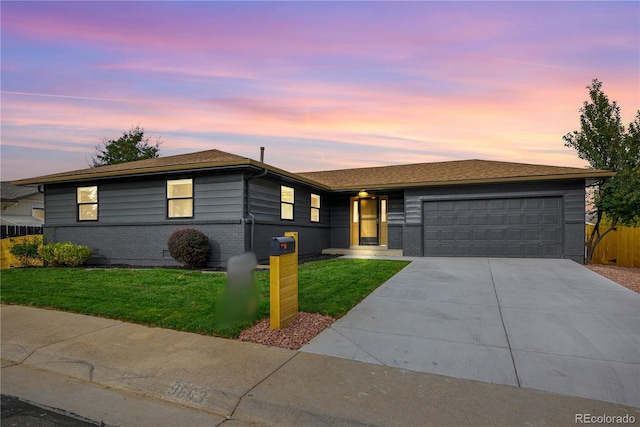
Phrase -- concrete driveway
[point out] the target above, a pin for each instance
(549, 325)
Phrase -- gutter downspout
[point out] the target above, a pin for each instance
(253, 217)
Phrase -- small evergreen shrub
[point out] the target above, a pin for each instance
(189, 247)
(26, 251)
(65, 254)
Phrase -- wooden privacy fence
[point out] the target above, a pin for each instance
(18, 230)
(620, 247)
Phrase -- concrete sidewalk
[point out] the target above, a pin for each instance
(105, 370)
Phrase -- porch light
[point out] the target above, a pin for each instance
(363, 193)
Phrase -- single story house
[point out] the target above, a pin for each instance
(126, 212)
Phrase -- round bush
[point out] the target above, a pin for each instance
(64, 254)
(190, 247)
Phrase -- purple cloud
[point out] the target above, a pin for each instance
(365, 83)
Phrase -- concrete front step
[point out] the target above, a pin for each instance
(364, 250)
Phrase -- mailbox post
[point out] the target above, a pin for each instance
(283, 261)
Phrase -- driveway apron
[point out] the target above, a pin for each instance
(545, 324)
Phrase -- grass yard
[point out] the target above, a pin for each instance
(187, 300)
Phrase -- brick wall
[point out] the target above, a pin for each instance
(412, 240)
(146, 245)
(395, 236)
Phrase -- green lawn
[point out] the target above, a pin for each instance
(186, 300)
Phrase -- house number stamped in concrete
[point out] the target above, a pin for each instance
(188, 393)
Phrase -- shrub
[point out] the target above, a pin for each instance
(65, 254)
(26, 251)
(190, 247)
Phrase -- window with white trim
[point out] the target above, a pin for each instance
(87, 200)
(315, 207)
(287, 198)
(180, 198)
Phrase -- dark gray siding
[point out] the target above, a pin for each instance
(311, 239)
(340, 221)
(219, 197)
(216, 197)
(132, 202)
(570, 192)
(265, 201)
(60, 205)
(265, 206)
(133, 227)
(396, 219)
(574, 229)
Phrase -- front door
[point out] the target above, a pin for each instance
(368, 221)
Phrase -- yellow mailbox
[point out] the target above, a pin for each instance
(283, 261)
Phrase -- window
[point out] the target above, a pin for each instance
(37, 212)
(315, 208)
(180, 198)
(356, 215)
(383, 210)
(287, 197)
(87, 198)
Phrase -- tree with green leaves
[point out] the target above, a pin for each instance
(132, 145)
(606, 144)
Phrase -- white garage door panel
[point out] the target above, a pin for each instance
(517, 227)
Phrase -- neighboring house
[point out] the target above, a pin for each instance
(126, 212)
(21, 205)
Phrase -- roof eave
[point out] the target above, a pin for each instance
(119, 173)
(290, 175)
(69, 178)
(599, 174)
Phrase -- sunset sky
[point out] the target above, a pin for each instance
(322, 85)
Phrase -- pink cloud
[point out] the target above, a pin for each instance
(391, 83)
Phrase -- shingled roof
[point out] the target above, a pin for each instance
(445, 173)
(417, 174)
(201, 159)
(12, 193)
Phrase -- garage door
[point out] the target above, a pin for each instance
(514, 228)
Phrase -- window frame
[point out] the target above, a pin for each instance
(80, 204)
(284, 203)
(170, 199)
(315, 209)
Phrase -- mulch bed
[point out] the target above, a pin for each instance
(625, 276)
(293, 336)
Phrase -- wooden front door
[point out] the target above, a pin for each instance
(369, 221)
(369, 216)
